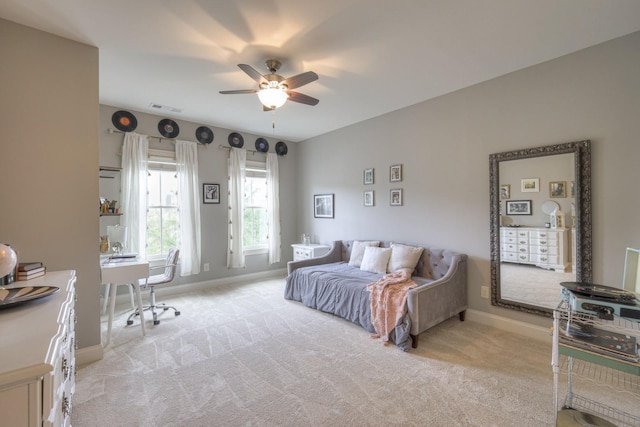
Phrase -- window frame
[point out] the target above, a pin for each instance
(254, 169)
(162, 160)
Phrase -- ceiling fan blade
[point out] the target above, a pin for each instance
(302, 98)
(301, 79)
(264, 108)
(235, 92)
(252, 72)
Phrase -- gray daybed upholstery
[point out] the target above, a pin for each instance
(441, 293)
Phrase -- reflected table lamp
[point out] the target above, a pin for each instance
(8, 261)
(117, 238)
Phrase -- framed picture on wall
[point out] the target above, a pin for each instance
(395, 197)
(368, 176)
(518, 207)
(368, 198)
(558, 189)
(395, 173)
(505, 191)
(210, 193)
(323, 206)
(530, 185)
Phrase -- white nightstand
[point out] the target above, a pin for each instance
(301, 251)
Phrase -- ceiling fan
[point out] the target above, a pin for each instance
(273, 89)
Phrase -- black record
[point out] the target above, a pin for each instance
(600, 292)
(124, 121)
(168, 128)
(262, 145)
(204, 135)
(236, 140)
(281, 148)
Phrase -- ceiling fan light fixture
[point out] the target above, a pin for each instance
(272, 97)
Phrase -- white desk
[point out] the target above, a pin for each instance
(123, 273)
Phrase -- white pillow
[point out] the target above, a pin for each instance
(375, 259)
(404, 257)
(357, 251)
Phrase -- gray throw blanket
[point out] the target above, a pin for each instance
(340, 289)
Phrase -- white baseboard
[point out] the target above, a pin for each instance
(87, 355)
(539, 333)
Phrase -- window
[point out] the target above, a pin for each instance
(255, 231)
(162, 207)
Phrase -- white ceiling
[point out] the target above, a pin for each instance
(372, 56)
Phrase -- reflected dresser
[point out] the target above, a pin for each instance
(543, 247)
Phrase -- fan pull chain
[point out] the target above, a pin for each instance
(273, 122)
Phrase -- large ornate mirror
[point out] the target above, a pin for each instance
(540, 224)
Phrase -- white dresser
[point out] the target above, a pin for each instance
(542, 247)
(301, 251)
(37, 353)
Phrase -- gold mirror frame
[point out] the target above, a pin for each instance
(584, 272)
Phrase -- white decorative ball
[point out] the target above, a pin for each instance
(8, 260)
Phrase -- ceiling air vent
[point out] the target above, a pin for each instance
(165, 108)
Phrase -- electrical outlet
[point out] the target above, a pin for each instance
(484, 291)
(206, 266)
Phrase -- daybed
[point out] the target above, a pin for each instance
(330, 284)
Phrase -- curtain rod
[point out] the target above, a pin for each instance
(111, 130)
(246, 149)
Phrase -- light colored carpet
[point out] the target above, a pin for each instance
(242, 355)
(532, 285)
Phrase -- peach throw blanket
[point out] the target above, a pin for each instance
(388, 297)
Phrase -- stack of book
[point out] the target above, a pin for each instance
(30, 270)
(602, 341)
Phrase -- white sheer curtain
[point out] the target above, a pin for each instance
(237, 172)
(134, 191)
(273, 208)
(189, 207)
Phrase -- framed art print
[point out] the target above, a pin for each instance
(395, 173)
(368, 176)
(323, 206)
(505, 191)
(530, 185)
(558, 189)
(518, 207)
(368, 198)
(395, 197)
(210, 193)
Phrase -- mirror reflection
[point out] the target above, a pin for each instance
(537, 235)
(541, 222)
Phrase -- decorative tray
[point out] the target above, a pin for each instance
(14, 296)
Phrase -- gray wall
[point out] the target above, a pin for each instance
(212, 167)
(560, 167)
(444, 146)
(49, 159)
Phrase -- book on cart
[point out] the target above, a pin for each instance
(29, 266)
(31, 274)
(602, 341)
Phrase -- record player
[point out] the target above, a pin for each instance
(602, 301)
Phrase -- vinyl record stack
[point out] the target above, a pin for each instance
(30, 270)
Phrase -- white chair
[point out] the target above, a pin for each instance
(166, 277)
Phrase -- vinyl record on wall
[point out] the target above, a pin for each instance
(262, 145)
(236, 140)
(124, 121)
(168, 128)
(281, 148)
(204, 135)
